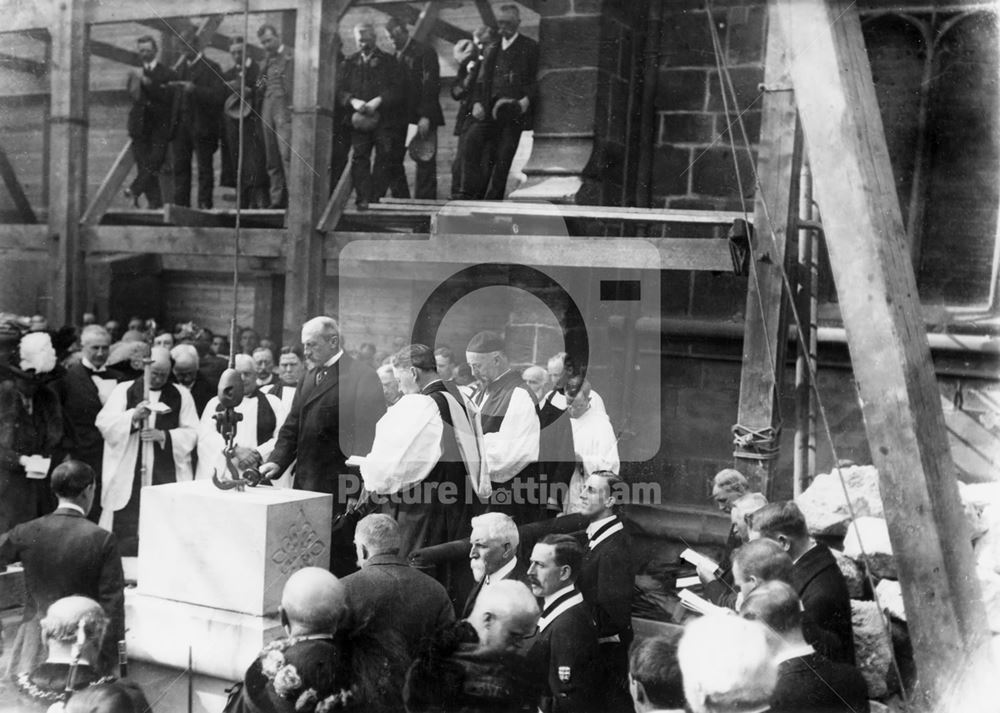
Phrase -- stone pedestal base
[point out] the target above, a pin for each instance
(222, 643)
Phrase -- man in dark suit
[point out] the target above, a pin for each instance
(371, 86)
(389, 594)
(566, 647)
(469, 54)
(607, 579)
(63, 553)
(493, 554)
(816, 578)
(332, 417)
(198, 103)
(254, 180)
(504, 100)
(149, 124)
(275, 92)
(423, 107)
(83, 390)
(807, 680)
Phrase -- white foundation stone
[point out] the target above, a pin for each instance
(826, 509)
(212, 566)
(229, 550)
(870, 535)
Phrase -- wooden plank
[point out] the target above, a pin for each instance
(101, 11)
(125, 161)
(486, 13)
(269, 305)
(316, 48)
(775, 214)
(900, 400)
(69, 80)
(220, 264)
(411, 16)
(21, 64)
(192, 217)
(115, 53)
(26, 15)
(426, 22)
(545, 250)
(166, 240)
(24, 238)
(338, 201)
(21, 202)
(109, 186)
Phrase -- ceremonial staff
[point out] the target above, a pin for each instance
(147, 364)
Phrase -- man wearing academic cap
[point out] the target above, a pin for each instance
(146, 442)
(510, 429)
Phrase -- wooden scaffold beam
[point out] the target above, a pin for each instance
(877, 292)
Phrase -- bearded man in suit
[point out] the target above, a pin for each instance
(333, 416)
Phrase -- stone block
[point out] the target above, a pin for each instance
(228, 550)
(681, 89)
(746, 30)
(745, 83)
(670, 170)
(222, 643)
(867, 539)
(686, 128)
(714, 174)
(570, 42)
(568, 105)
(751, 122)
(872, 646)
(823, 504)
(687, 41)
(554, 8)
(889, 595)
(853, 575)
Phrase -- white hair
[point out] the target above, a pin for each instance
(746, 505)
(498, 526)
(320, 325)
(507, 599)
(244, 362)
(93, 330)
(184, 353)
(738, 675)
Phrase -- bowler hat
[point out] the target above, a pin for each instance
(235, 108)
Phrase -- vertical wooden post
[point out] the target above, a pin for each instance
(269, 305)
(316, 43)
(775, 210)
(892, 362)
(69, 81)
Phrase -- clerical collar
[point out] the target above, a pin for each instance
(334, 359)
(569, 589)
(86, 363)
(794, 652)
(505, 43)
(66, 505)
(593, 527)
(502, 572)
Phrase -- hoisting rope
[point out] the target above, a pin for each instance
(727, 86)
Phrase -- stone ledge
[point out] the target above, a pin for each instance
(222, 643)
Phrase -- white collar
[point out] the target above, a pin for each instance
(794, 652)
(65, 505)
(151, 66)
(334, 359)
(502, 572)
(86, 362)
(505, 43)
(281, 51)
(598, 524)
(555, 595)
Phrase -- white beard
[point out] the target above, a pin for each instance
(478, 570)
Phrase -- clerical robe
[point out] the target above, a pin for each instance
(427, 456)
(262, 414)
(596, 449)
(123, 474)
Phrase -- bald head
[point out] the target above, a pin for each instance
(536, 379)
(313, 601)
(504, 615)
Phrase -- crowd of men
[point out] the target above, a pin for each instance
(452, 583)
(194, 108)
